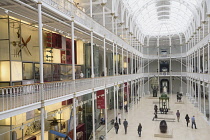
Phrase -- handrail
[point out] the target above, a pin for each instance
(17, 96)
(154, 56)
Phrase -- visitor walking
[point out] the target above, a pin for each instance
(119, 118)
(193, 122)
(125, 123)
(126, 108)
(116, 126)
(178, 115)
(139, 129)
(155, 117)
(187, 118)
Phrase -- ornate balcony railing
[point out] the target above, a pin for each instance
(200, 76)
(17, 96)
(178, 55)
(20, 96)
(151, 74)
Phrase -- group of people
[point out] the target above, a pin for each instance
(187, 118)
(125, 124)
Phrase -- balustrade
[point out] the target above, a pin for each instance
(17, 96)
(164, 56)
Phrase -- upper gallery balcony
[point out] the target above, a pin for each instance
(57, 16)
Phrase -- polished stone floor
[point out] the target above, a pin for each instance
(143, 113)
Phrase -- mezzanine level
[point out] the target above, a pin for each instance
(18, 99)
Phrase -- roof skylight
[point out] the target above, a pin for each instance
(162, 17)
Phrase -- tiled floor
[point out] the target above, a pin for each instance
(143, 113)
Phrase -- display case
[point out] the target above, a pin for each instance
(4, 70)
(56, 72)
(28, 71)
(47, 72)
(16, 71)
(4, 38)
(66, 72)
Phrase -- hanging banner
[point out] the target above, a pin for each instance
(126, 94)
(100, 99)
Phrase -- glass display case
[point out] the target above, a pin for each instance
(56, 72)
(4, 71)
(4, 39)
(47, 72)
(66, 72)
(28, 71)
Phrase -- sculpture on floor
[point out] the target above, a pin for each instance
(163, 126)
(165, 89)
(179, 97)
(155, 90)
(154, 86)
(163, 104)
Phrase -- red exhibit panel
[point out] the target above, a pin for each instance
(67, 102)
(54, 40)
(69, 51)
(100, 99)
(126, 92)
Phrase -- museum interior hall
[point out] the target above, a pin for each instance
(104, 69)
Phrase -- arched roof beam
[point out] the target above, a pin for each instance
(191, 7)
(155, 26)
(149, 22)
(160, 12)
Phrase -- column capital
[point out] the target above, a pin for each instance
(103, 3)
(74, 94)
(203, 21)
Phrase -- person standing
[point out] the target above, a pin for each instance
(187, 118)
(116, 126)
(125, 123)
(193, 122)
(81, 75)
(119, 118)
(178, 115)
(139, 129)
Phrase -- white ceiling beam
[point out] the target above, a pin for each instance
(101, 13)
(87, 4)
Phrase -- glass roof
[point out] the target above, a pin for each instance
(162, 17)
